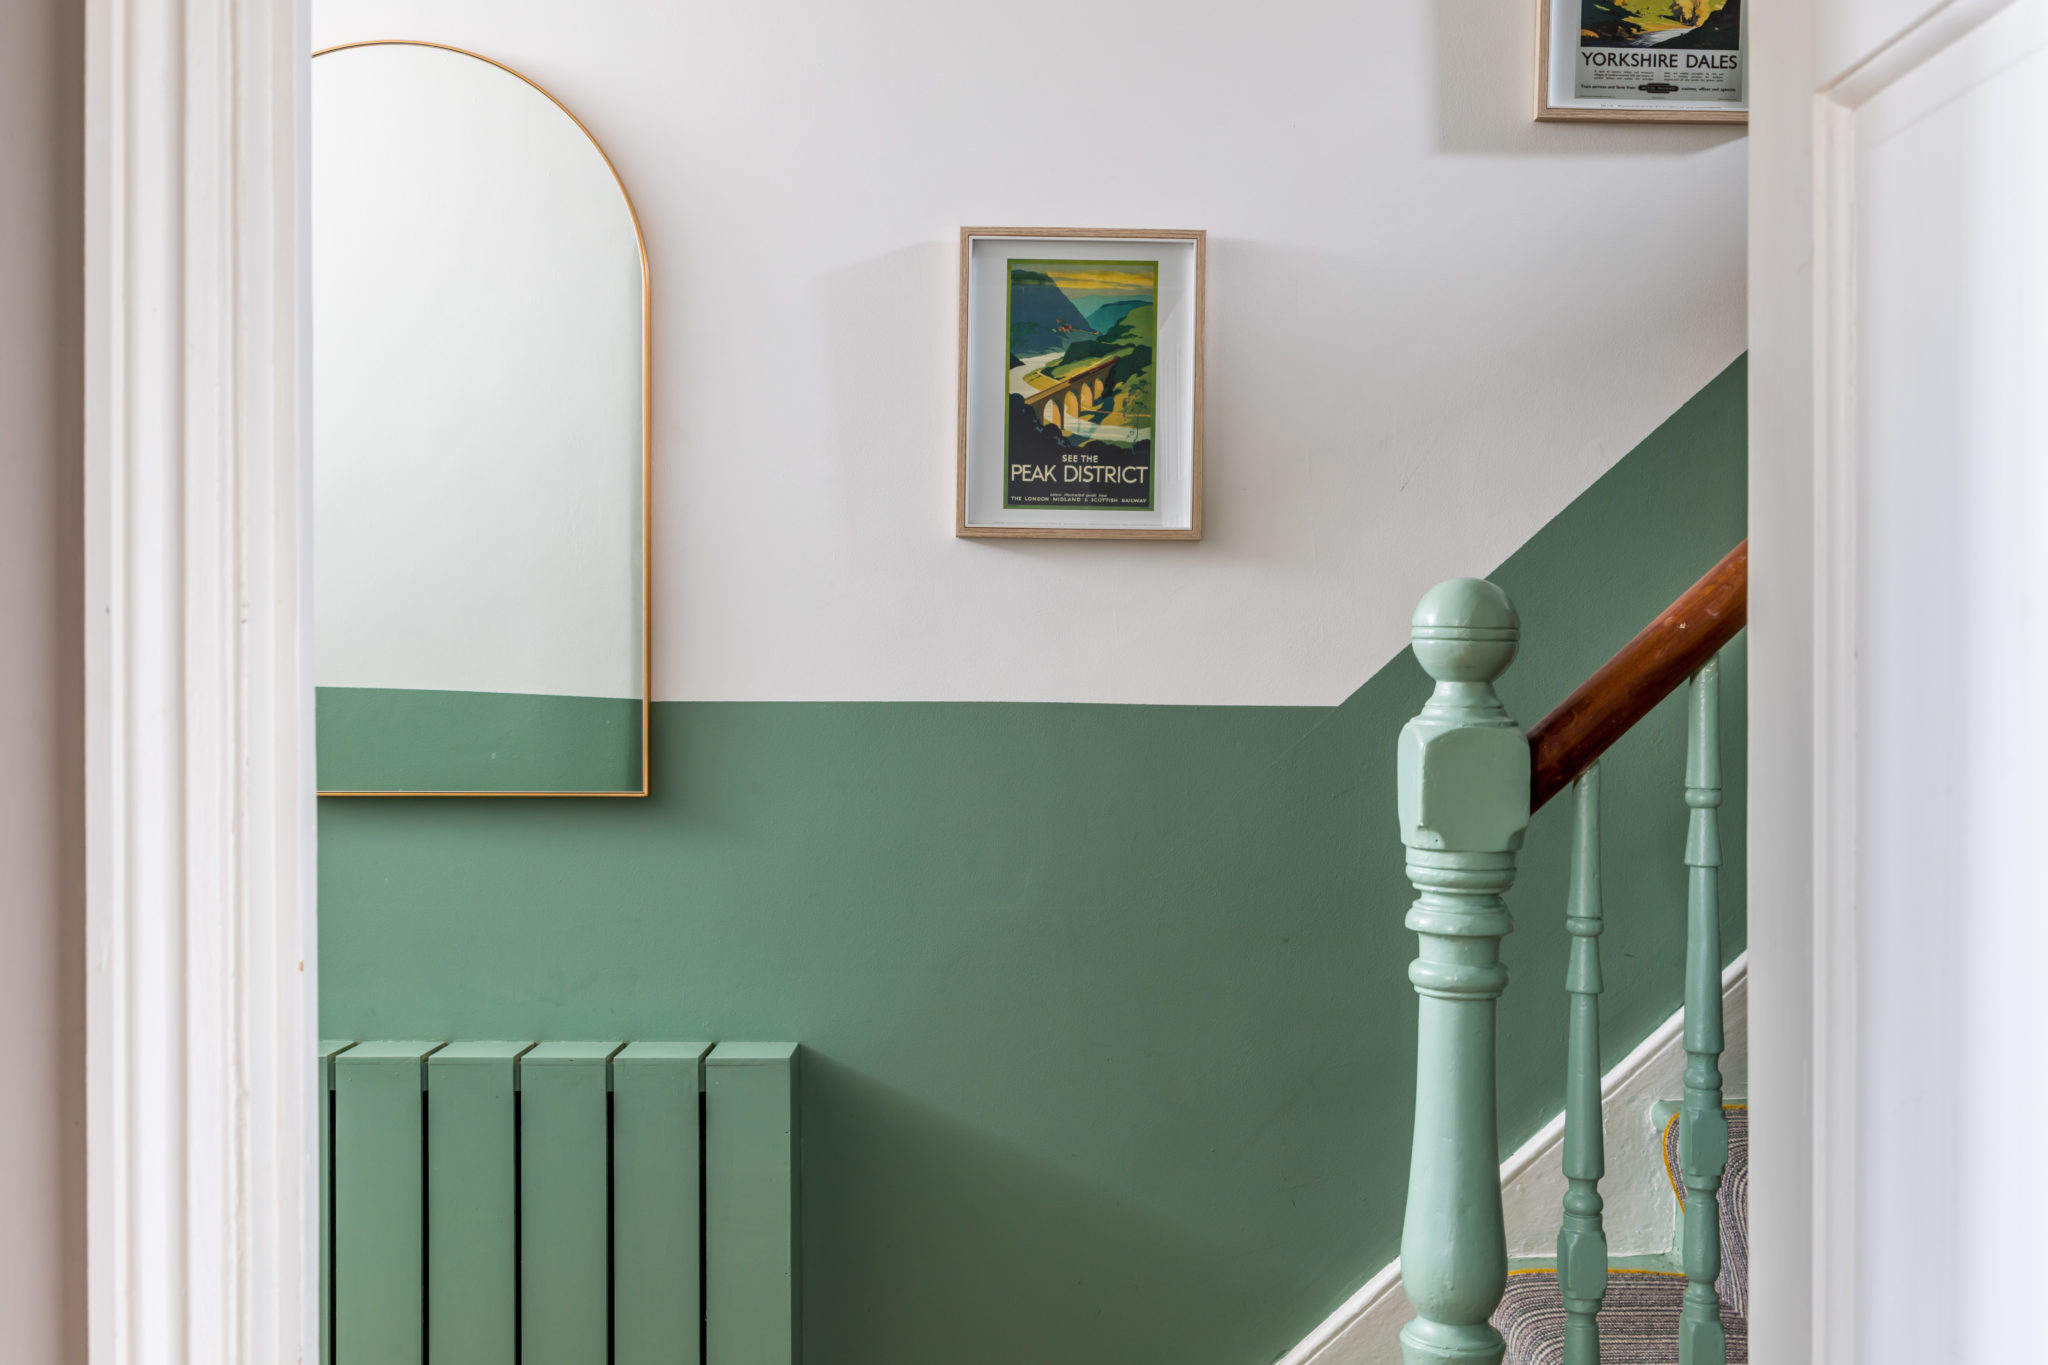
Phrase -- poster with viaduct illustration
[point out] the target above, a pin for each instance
(1080, 383)
(1684, 51)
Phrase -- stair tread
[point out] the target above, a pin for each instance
(1666, 1261)
(1639, 1317)
(1638, 1320)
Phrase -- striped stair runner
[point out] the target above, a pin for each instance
(1639, 1318)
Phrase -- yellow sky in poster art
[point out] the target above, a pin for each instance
(1654, 16)
(1088, 279)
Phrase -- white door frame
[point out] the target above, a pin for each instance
(201, 1154)
(1788, 974)
(1811, 75)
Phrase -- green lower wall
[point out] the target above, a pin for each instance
(390, 739)
(1110, 1040)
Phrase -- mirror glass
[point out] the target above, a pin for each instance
(479, 440)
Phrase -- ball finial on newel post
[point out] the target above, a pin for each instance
(1465, 630)
(1459, 759)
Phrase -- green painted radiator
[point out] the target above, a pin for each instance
(558, 1204)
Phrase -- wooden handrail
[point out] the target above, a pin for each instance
(1645, 671)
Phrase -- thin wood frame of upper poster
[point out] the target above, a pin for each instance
(1193, 530)
(646, 439)
(1546, 112)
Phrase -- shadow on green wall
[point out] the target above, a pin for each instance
(1110, 1041)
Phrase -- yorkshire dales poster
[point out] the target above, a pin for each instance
(1680, 51)
(1080, 384)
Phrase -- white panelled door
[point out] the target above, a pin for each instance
(1899, 223)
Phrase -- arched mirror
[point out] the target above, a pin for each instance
(480, 446)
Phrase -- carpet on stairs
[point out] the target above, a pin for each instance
(1638, 1319)
(1639, 1316)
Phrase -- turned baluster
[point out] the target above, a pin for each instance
(1582, 1238)
(1703, 1127)
(1464, 804)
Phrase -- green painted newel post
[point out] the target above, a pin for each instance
(1464, 804)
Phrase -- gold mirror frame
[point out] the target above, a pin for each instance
(646, 437)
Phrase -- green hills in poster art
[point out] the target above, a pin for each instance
(1130, 340)
(1697, 24)
(1042, 317)
(1109, 315)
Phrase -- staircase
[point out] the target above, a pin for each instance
(1469, 779)
(1640, 1312)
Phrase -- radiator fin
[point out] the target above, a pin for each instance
(565, 1204)
(380, 1300)
(330, 1048)
(750, 1204)
(657, 1178)
(472, 1150)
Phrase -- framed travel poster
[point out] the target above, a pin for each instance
(1080, 383)
(1669, 61)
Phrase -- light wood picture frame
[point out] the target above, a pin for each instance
(1558, 53)
(1119, 313)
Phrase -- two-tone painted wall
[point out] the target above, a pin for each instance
(1073, 865)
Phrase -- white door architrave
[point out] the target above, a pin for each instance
(1899, 335)
(201, 1217)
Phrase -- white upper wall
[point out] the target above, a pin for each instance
(1432, 322)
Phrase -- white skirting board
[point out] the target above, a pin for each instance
(1640, 1220)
